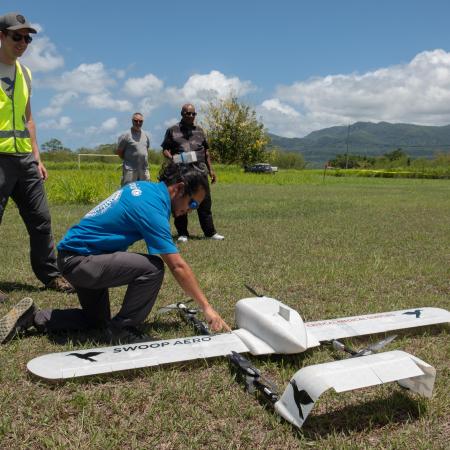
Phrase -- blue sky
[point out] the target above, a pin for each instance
(301, 65)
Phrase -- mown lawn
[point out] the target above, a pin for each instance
(341, 247)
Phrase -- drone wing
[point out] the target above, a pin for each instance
(326, 330)
(266, 326)
(309, 383)
(133, 356)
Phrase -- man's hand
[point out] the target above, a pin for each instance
(214, 321)
(120, 152)
(167, 154)
(42, 171)
(212, 174)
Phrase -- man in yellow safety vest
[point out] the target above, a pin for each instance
(22, 173)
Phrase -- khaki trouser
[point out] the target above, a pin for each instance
(130, 175)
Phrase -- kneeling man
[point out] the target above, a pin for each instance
(93, 257)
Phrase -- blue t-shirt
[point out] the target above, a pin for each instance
(139, 210)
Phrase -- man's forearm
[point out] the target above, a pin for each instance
(186, 279)
(208, 163)
(167, 154)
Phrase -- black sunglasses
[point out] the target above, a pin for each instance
(17, 37)
(138, 121)
(192, 114)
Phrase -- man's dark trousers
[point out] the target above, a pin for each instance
(204, 216)
(91, 276)
(20, 180)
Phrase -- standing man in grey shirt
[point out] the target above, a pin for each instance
(133, 147)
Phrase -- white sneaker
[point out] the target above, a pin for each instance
(182, 239)
(217, 237)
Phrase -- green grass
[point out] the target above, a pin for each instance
(329, 249)
(94, 182)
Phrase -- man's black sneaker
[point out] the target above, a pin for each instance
(18, 319)
(125, 335)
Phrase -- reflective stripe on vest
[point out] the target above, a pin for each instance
(14, 136)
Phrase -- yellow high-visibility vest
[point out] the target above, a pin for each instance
(14, 135)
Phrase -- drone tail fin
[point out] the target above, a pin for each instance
(309, 383)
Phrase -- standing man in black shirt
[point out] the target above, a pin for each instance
(180, 139)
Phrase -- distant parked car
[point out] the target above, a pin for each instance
(261, 168)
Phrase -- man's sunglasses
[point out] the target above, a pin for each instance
(190, 114)
(17, 37)
(138, 121)
(193, 204)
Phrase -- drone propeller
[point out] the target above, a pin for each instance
(375, 348)
(187, 314)
(338, 345)
(172, 307)
(369, 350)
(253, 291)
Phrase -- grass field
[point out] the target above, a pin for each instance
(341, 247)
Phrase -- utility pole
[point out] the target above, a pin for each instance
(346, 153)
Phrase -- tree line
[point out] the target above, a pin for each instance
(395, 159)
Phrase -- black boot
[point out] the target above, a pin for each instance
(125, 335)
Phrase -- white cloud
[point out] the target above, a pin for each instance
(275, 105)
(38, 27)
(61, 124)
(107, 126)
(93, 82)
(149, 88)
(141, 87)
(280, 118)
(416, 92)
(42, 56)
(120, 73)
(170, 122)
(199, 89)
(85, 79)
(148, 104)
(57, 102)
(104, 100)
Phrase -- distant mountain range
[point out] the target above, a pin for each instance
(367, 138)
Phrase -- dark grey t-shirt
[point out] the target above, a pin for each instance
(135, 149)
(7, 75)
(7, 78)
(181, 138)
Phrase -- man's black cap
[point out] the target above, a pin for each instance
(15, 21)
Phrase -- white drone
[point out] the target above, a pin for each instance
(267, 326)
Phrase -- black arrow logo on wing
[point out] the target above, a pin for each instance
(300, 398)
(86, 356)
(416, 312)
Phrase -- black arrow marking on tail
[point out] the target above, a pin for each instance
(300, 398)
(416, 312)
(86, 356)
